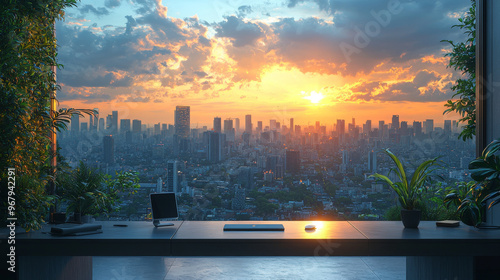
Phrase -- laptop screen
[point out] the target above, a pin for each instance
(163, 206)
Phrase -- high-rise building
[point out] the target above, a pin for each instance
(395, 122)
(237, 124)
(367, 127)
(345, 157)
(248, 124)
(109, 123)
(447, 126)
(75, 124)
(381, 125)
(259, 126)
(292, 161)
(454, 127)
(124, 125)
(298, 129)
(157, 129)
(272, 125)
(108, 149)
(96, 119)
(172, 176)
(417, 128)
(217, 125)
(214, 146)
(182, 121)
(429, 126)
(317, 127)
(291, 125)
(137, 126)
(115, 121)
(229, 130)
(101, 124)
(238, 202)
(84, 127)
(404, 128)
(340, 127)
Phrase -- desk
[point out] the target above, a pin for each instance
(447, 252)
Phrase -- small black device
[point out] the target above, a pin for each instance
(163, 206)
(254, 227)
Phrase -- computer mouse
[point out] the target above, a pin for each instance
(310, 227)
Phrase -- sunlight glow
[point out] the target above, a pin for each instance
(314, 97)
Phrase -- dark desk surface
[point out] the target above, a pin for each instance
(207, 238)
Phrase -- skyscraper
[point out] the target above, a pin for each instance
(108, 149)
(115, 121)
(372, 161)
(417, 128)
(136, 126)
(429, 126)
(124, 125)
(259, 126)
(237, 124)
(214, 146)
(229, 130)
(217, 125)
(447, 126)
(248, 124)
(172, 176)
(292, 162)
(381, 125)
(182, 121)
(101, 124)
(272, 125)
(340, 127)
(75, 124)
(291, 125)
(395, 122)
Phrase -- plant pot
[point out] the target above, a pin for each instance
(410, 218)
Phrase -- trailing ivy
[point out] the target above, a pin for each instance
(463, 58)
(28, 51)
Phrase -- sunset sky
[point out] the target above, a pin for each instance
(304, 59)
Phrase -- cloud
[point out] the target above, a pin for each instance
(111, 3)
(240, 32)
(97, 11)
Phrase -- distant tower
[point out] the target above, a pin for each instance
(124, 125)
(237, 124)
(115, 121)
(291, 125)
(136, 126)
(259, 126)
(417, 128)
(340, 127)
(214, 146)
(229, 130)
(248, 124)
(217, 125)
(109, 149)
(75, 124)
(429, 126)
(172, 184)
(96, 119)
(292, 162)
(372, 161)
(159, 185)
(182, 121)
(395, 122)
(101, 124)
(447, 126)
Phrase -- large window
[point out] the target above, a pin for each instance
(262, 110)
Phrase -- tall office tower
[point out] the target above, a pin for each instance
(278, 125)
(395, 122)
(237, 124)
(109, 148)
(101, 124)
(137, 126)
(291, 125)
(96, 119)
(353, 122)
(159, 185)
(372, 161)
(84, 127)
(238, 202)
(214, 146)
(217, 125)
(292, 162)
(368, 126)
(182, 119)
(248, 124)
(403, 130)
(340, 127)
(317, 127)
(454, 127)
(447, 126)
(259, 126)
(229, 130)
(91, 123)
(298, 129)
(109, 123)
(75, 124)
(345, 157)
(417, 128)
(429, 126)
(164, 126)
(172, 176)
(115, 121)
(381, 129)
(272, 125)
(124, 125)
(157, 127)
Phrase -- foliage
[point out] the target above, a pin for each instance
(470, 199)
(463, 58)
(90, 192)
(27, 55)
(409, 190)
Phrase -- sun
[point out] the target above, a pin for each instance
(314, 97)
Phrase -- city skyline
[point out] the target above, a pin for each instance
(275, 60)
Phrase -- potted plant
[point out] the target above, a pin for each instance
(473, 199)
(83, 190)
(409, 189)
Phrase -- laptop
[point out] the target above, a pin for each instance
(254, 227)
